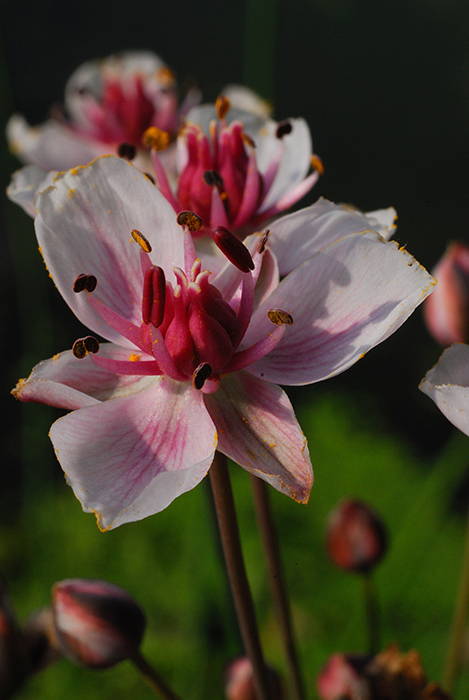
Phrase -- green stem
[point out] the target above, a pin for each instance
(372, 614)
(277, 582)
(153, 678)
(458, 626)
(231, 543)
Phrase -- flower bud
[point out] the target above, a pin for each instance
(446, 311)
(356, 536)
(97, 624)
(239, 681)
(343, 678)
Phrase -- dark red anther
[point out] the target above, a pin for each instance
(85, 283)
(127, 151)
(233, 248)
(83, 346)
(263, 241)
(213, 178)
(283, 129)
(201, 374)
(154, 296)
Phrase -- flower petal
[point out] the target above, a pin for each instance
(26, 183)
(52, 145)
(67, 382)
(129, 457)
(257, 428)
(447, 383)
(84, 225)
(344, 301)
(296, 237)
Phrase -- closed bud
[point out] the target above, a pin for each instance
(356, 536)
(446, 311)
(239, 681)
(342, 678)
(97, 623)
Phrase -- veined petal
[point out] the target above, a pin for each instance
(66, 382)
(84, 225)
(129, 457)
(257, 428)
(447, 383)
(344, 301)
(26, 183)
(296, 237)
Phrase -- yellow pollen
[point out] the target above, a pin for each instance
(134, 357)
(317, 164)
(222, 105)
(155, 138)
(165, 76)
(189, 219)
(280, 317)
(141, 240)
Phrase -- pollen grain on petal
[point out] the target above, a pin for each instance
(280, 317)
(143, 242)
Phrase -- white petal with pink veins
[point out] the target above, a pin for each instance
(129, 457)
(84, 227)
(344, 301)
(257, 428)
(296, 237)
(447, 383)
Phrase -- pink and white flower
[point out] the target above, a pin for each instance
(447, 383)
(191, 364)
(238, 168)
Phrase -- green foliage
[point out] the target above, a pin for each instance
(171, 562)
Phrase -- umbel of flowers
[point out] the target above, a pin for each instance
(192, 361)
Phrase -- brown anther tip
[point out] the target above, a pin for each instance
(141, 240)
(213, 178)
(279, 317)
(222, 105)
(317, 164)
(155, 138)
(248, 140)
(283, 129)
(201, 374)
(263, 241)
(83, 346)
(127, 151)
(189, 219)
(85, 283)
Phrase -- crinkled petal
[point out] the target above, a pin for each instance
(257, 428)
(296, 237)
(25, 185)
(84, 226)
(67, 382)
(129, 457)
(52, 145)
(447, 383)
(344, 301)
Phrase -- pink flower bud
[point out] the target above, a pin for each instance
(341, 678)
(446, 311)
(239, 681)
(97, 624)
(356, 536)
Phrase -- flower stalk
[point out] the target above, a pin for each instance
(231, 544)
(277, 583)
(153, 678)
